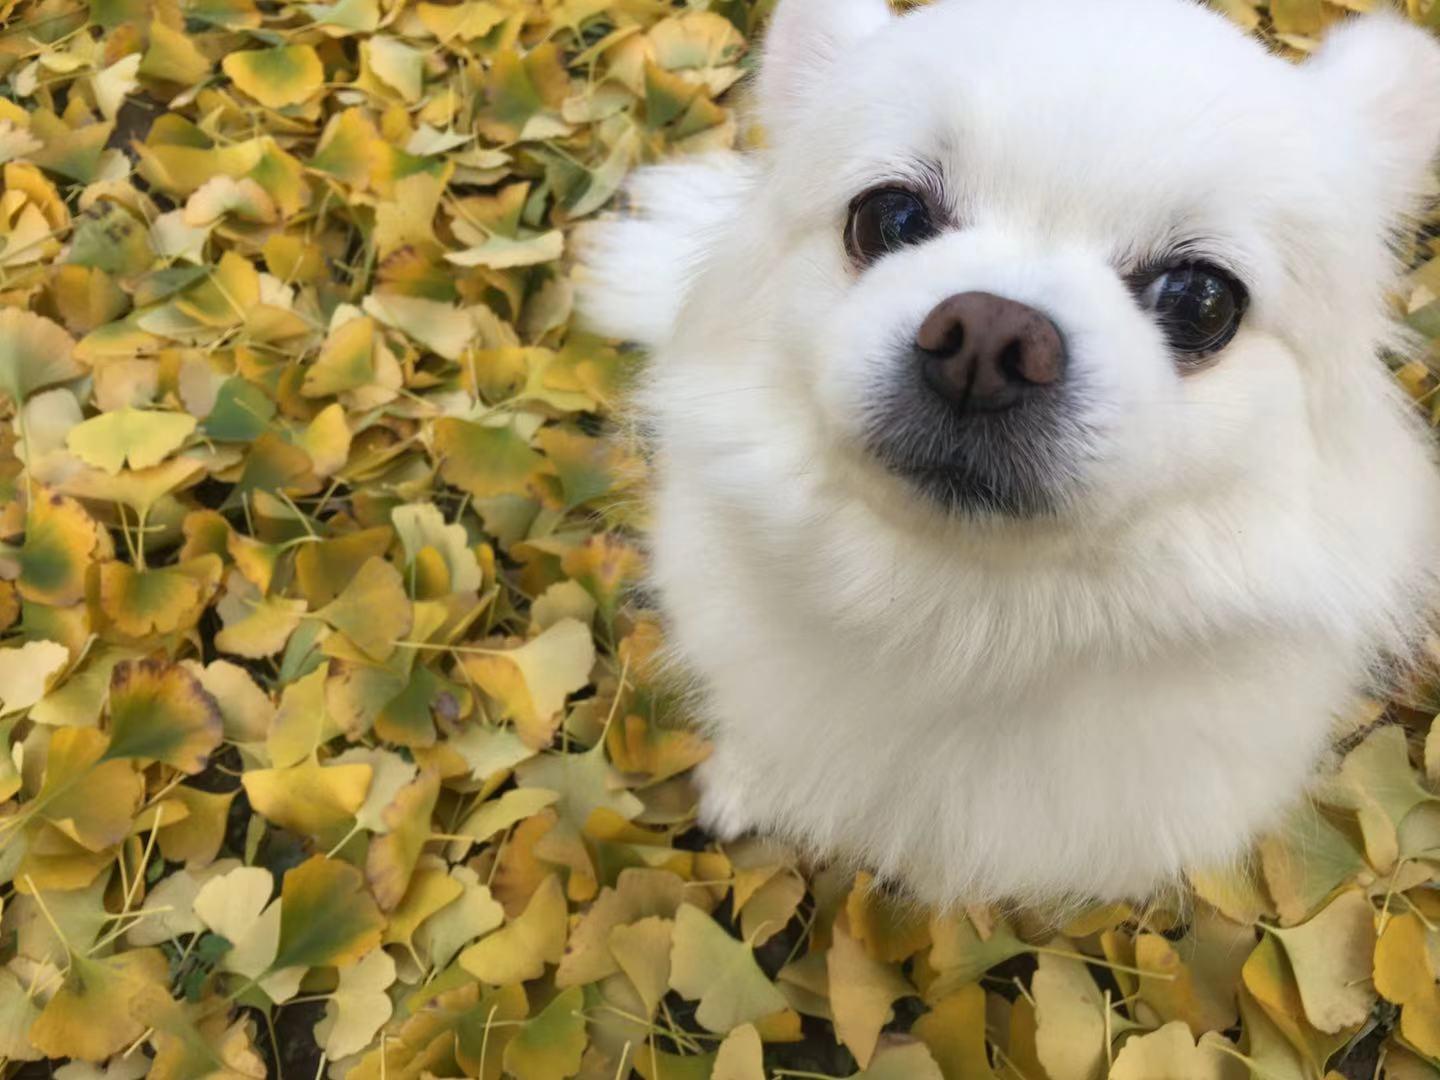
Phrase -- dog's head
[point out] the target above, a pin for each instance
(1033, 257)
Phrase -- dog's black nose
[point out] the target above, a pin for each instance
(984, 353)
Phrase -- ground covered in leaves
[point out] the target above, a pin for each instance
(332, 738)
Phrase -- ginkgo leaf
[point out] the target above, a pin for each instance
(1171, 1053)
(532, 682)
(1406, 976)
(254, 625)
(18, 1013)
(422, 526)
(89, 799)
(327, 440)
(549, 1046)
(34, 353)
(1331, 957)
(503, 253)
(391, 858)
(239, 906)
(954, 1032)
(26, 673)
(160, 712)
(141, 437)
(428, 892)
(862, 992)
(1270, 982)
(485, 460)
(441, 328)
(373, 610)
(499, 814)
(1070, 1013)
(346, 360)
(302, 723)
(276, 77)
(707, 965)
(59, 541)
(359, 1006)
(741, 1056)
(196, 839)
(143, 602)
(96, 1012)
(326, 916)
(642, 951)
(520, 950)
(309, 798)
(1305, 861)
(472, 915)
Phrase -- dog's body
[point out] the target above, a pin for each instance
(999, 657)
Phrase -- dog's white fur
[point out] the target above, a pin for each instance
(1088, 704)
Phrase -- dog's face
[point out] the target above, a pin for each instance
(1043, 258)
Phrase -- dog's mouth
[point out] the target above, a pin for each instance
(1025, 462)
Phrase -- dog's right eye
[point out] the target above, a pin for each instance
(886, 220)
(1199, 306)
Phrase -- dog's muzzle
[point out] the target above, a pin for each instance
(978, 416)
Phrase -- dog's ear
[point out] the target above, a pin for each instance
(805, 38)
(1382, 76)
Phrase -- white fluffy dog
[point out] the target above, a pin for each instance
(1032, 495)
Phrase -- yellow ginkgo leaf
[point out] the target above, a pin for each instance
(277, 77)
(741, 1056)
(1172, 1054)
(862, 991)
(346, 360)
(143, 602)
(138, 489)
(302, 723)
(26, 672)
(532, 682)
(1268, 978)
(173, 56)
(358, 1007)
(519, 951)
(430, 890)
(34, 353)
(550, 1044)
(59, 541)
(144, 438)
(18, 1012)
(484, 460)
(954, 1031)
(642, 949)
(1331, 956)
(391, 858)
(1070, 1012)
(709, 966)
(1405, 975)
(373, 610)
(254, 625)
(160, 712)
(327, 440)
(88, 798)
(309, 798)
(196, 838)
(237, 905)
(473, 914)
(99, 1010)
(422, 525)
(327, 919)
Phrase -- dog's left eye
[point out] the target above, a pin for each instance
(1199, 306)
(886, 220)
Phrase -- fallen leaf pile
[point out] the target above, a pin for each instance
(333, 741)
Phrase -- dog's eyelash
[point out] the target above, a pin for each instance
(1146, 269)
(924, 178)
